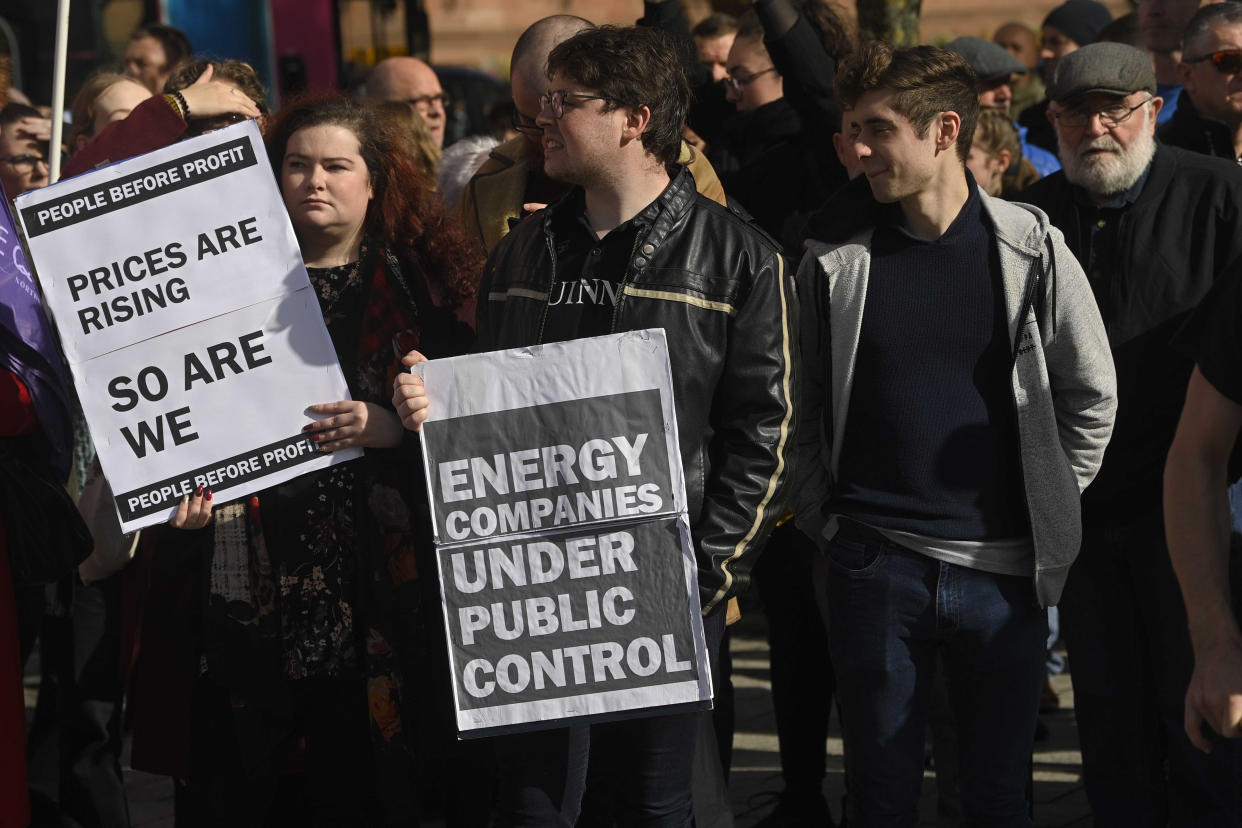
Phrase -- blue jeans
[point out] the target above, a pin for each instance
(890, 612)
(639, 769)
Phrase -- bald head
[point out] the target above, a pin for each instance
(530, 58)
(1020, 41)
(530, 53)
(409, 79)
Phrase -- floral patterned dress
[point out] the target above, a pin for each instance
(315, 578)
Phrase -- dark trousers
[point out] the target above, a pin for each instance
(891, 612)
(1124, 624)
(74, 744)
(635, 772)
(801, 668)
(329, 782)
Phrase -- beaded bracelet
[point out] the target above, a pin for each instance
(185, 108)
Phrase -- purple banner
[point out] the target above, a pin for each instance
(28, 344)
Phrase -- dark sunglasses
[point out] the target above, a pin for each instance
(1226, 61)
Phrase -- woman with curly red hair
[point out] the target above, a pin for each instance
(312, 600)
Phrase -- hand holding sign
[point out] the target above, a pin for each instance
(409, 396)
(353, 423)
(194, 511)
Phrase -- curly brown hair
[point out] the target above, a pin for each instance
(406, 214)
(925, 81)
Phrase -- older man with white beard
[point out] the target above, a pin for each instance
(1156, 230)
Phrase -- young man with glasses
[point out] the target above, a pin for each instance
(411, 80)
(1157, 229)
(23, 149)
(634, 246)
(511, 183)
(957, 397)
(764, 154)
(1209, 110)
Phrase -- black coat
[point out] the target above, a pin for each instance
(1191, 131)
(721, 291)
(1178, 243)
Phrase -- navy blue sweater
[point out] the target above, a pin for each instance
(930, 443)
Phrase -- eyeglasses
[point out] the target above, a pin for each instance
(426, 101)
(24, 163)
(524, 127)
(1110, 116)
(735, 85)
(556, 100)
(1226, 61)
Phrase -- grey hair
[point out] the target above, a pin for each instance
(1201, 22)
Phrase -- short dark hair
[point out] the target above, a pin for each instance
(924, 80)
(1202, 21)
(14, 112)
(177, 49)
(714, 26)
(631, 67)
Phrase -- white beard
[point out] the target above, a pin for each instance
(1111, 174)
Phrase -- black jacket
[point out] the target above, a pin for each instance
(1191, 131)
(763, 165)
(720, 289)
(1174, 245)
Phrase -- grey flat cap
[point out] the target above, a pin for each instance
(990, 61)
(1102, 67)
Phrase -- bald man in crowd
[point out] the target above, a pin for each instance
(411, 80)
(510, 185)
(1021, 41)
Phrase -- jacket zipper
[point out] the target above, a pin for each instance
(1033, 284)
(625, 280)
(547, 303)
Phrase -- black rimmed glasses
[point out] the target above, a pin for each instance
(1110, 116)
(523, 127)
(557, 99)
(24, 163)
(735, 84)
(1226, 61)
(422, 102)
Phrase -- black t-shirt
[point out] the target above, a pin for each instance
(589, 272)
(1219, 347)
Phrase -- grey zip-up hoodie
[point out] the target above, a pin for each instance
(1064, 386)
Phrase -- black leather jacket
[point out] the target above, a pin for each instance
(721, 290)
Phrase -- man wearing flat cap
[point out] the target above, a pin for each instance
(1067, 28)
(996, 68)
(1157, 229)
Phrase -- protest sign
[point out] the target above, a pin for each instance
(558, 504)
(184, 310)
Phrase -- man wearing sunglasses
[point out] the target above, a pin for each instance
(511, 183)
(1157, 229)
(1209, 111)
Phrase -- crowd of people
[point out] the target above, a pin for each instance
(958, 372)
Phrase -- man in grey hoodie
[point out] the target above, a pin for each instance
(958, 396)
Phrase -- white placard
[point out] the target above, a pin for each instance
(567, 569)
(191, 329)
